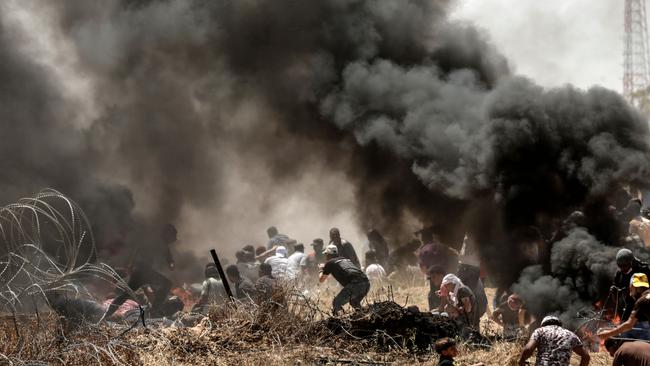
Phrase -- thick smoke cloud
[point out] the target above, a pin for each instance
(300, 56)
(581, 274)
(419, 114)
(40, 148)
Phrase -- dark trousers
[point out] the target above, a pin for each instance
(351, 293)
(433, 297)
(144, 275)
(470, 276)
(481, 299)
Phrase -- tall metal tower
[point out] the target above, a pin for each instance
(636, 79)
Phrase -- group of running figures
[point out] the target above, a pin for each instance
(456, 284)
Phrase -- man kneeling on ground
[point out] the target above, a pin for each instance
(355, 283)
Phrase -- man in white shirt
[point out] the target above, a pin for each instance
(279, 263)
(296, 261)
(375, 272)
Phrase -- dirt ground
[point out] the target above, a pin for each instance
(240, 336)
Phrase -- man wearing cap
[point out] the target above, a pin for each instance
(355, 283)
(313, 261)
(627, 264)
(344, 247)
(637, 326)
(554, 345)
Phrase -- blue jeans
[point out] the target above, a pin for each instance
(640, 331)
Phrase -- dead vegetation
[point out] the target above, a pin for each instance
(47, 251)
(295, 331)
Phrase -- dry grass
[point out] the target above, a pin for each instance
(246, 335)
(291, 331)
(41, 341)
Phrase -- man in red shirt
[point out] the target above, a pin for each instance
(434, 253)
(434, 256)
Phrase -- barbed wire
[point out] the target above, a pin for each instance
(46, 246)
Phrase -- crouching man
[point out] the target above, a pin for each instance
(355, 283)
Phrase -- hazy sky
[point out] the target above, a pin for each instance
(555, 41)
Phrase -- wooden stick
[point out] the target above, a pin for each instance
(222, 274)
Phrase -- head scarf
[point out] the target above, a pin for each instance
(281, 252)
(451, 278)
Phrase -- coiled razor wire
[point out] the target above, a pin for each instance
(46, 246)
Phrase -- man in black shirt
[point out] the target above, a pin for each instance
(345, 249)
(628, 265)
(354, 281)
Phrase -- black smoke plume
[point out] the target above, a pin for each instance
(421, 115)
(581, 275)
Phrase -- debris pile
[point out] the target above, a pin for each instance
(390, 325)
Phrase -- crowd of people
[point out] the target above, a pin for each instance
(456, 285)
(455, 278)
